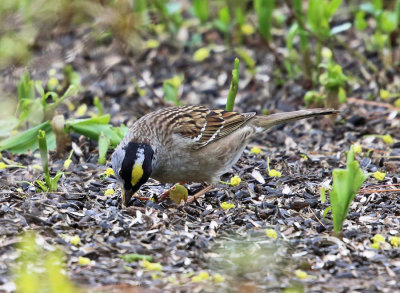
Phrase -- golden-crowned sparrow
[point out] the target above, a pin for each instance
(189, 144)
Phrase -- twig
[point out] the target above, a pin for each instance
(375, 150)
(311, 210)
(384, 185)
(378, 190)
(372, 103)
(200, 193)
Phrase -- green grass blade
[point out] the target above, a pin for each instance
(233, 88)
(44, 156)
(264, 10)
(201, 9)
(104, 143)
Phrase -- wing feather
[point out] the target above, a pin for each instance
(205, 126)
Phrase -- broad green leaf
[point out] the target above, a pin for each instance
(105, 119)
(92, 127)
(27, 140)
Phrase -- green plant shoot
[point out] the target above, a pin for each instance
(50, 184)
(201, 9)
(36, 110)
(333, 79)
(319, 14)
(99, 106)
(346, 183)
(233, 87)
(223, 21)
(104, 144)
(44, 155)
(73, 77)
(264, 10)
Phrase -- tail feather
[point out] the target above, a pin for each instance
(280, 118)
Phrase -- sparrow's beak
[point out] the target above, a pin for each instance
(126, 196)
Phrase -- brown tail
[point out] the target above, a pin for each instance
(280, 118)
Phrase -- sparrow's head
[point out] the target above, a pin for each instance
(132, 165)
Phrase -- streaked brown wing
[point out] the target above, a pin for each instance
(205, 126)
